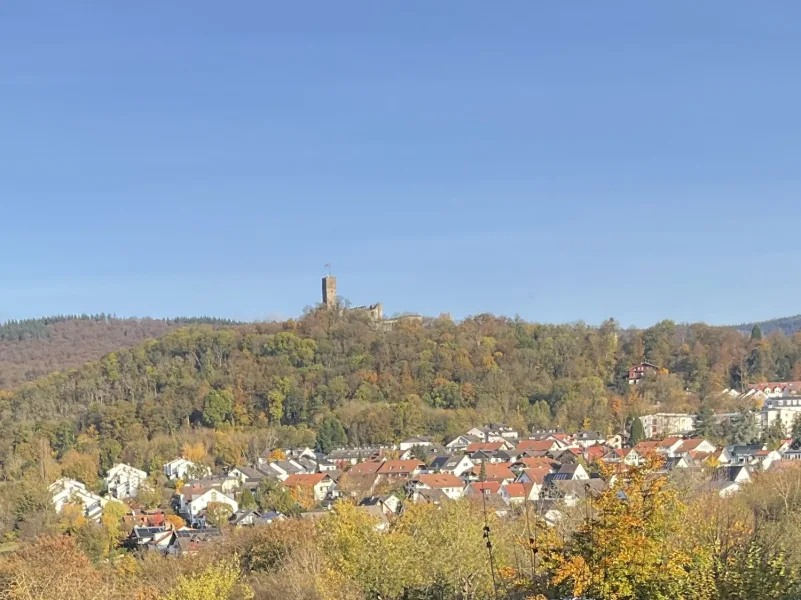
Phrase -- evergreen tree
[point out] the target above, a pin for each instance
(247, 500)
(705, 424)
(482, 475)
(330, 434)
(637, 431)
(796, 432)
(756, 333)
(774, 435)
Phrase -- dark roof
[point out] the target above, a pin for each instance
(727, 473)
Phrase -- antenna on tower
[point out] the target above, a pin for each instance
(328, 268)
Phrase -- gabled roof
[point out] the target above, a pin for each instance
(492, 487)
(400, 467)
(440, 480)
(364, 468)
(515, 490)
(537, 463)
(305, 479)
(691, 445)
(495, 471)
(486, 446)
(536, 445)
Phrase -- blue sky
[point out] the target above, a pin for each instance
(559, 162)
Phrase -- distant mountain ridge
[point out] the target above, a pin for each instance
(787, 325)
(32, 348)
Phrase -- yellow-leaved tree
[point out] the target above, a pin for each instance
(217, 582)
(631, 544)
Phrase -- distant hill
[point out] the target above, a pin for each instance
(788, 325)
(31, 348)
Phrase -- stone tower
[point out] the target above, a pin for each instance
(329, 291)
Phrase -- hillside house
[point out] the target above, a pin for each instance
(180, 468)
(416, 441)
(518, 493)
(460, 443)
(68, 491)
(193, 502)
(122, 481)
(320, 484)
(668, 424)
(638, 372)
(500, 472)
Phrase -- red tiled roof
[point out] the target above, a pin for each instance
(690, 445)
(440, 480)
(668, 442)
(400, 467)
(365, 468)
(595, 453)
(495, 472)
(515, 490)
(538, 445)
(537, 462)
(486, 446)
(493, 487)
(537, 475)
(305, 480)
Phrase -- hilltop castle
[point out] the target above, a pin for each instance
(375, 311)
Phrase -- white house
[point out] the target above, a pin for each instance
(458, 464)
(729, 480)
(411, 442)
(68, 491)
(195, 500)
(319, 483)
(517, 493)
(661, 424)
(122, 481)
(460, 443)
(178, 468)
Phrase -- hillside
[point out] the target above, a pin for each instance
(433, 377)
(32, 348)
(787, 325)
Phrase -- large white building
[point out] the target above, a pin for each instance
(662, 424)
(122, 481)
(784, 409)
(68, 491)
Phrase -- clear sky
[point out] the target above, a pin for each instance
(559, 161)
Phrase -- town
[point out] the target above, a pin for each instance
(504, 469)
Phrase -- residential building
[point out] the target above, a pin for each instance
(450, 485)
(421, 441)
(320, 484)
(122, 481)
(460, 443)
(668, 424)
(180, 468)
(401, 468)
(457, 464)
(729, 480)
(389, 504)
(500, 472)
(638, 372)
(518, 493)
(195, 500)
(68, 491)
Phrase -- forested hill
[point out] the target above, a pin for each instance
(787, 325)
(32, 348)
(437, 377)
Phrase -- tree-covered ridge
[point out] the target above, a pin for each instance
(32, 348)
(26, 329)
(437, 377)
(787, 325)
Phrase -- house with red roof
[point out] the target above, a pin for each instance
(695, 445)
(517, 493)
(365, 468)
(401, 468)
(477, 488)
(319, 483)
(489, 446)
(450, 485)
(494, 472)
(545, 445)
